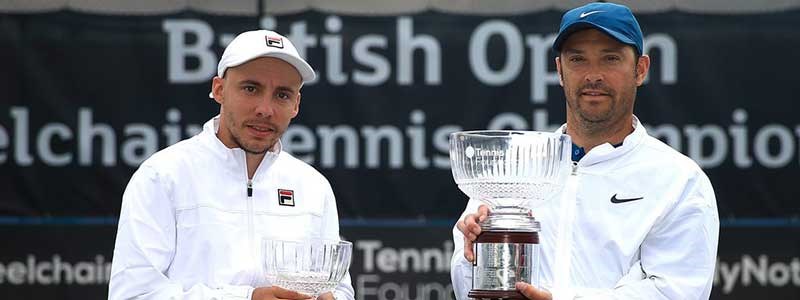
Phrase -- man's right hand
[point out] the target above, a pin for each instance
(471, 228)
(274, 293)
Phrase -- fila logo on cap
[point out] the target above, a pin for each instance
(285, 197)
(275, 42)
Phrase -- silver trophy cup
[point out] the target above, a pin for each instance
(510, 171)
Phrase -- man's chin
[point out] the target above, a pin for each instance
(254, 151)
(595, 119)
(257, 148)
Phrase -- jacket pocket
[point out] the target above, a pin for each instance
(301, 224)
(211, 246)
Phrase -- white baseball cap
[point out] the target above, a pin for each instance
(262, 43)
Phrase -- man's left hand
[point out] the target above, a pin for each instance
(533, 293)
(326, 296)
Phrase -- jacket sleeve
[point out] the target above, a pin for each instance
(145, 246)
(460, 268)
(330, 226)
(678, 255)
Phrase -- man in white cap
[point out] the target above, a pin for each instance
(194, 214)
(645, 222)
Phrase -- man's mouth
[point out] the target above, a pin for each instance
(594, 93)
(261, 128)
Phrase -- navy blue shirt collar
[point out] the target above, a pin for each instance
(578, 152)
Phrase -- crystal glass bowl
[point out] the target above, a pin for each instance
(313, 266)
(509, 168)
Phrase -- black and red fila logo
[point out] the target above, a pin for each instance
(285, 197)
(274, 42)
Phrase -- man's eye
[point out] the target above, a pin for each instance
(612, 58)
(576, 59)
(249, 89)
(284, 96)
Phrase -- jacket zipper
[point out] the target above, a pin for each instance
(250, 243)
(563, 258)
(250, 213)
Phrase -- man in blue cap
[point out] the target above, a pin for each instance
(645, 222)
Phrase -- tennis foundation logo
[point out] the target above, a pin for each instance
(479, 153)
(285, 197)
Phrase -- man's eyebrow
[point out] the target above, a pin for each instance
(613, 49)
(259, 84)
(250, 82)
(606, 50)
(286, 89)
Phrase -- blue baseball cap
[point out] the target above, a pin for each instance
(614, 20)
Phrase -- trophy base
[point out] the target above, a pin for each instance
(489, 294)
(504, 258)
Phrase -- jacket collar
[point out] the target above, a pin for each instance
(234, 157)
(606, 151)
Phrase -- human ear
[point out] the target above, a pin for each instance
(216, 88)
(642, 68)
(558, 69)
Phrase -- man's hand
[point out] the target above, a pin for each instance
(533, 293)
(471, 229)
(326, 296)
(274, 293)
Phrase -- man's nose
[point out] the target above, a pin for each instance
(594, 76)
(265, 108)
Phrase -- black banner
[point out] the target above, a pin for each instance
(753, 262)
(63, 261)
(88, 97)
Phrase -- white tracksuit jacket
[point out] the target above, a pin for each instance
(189, 230)
(662, 246)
